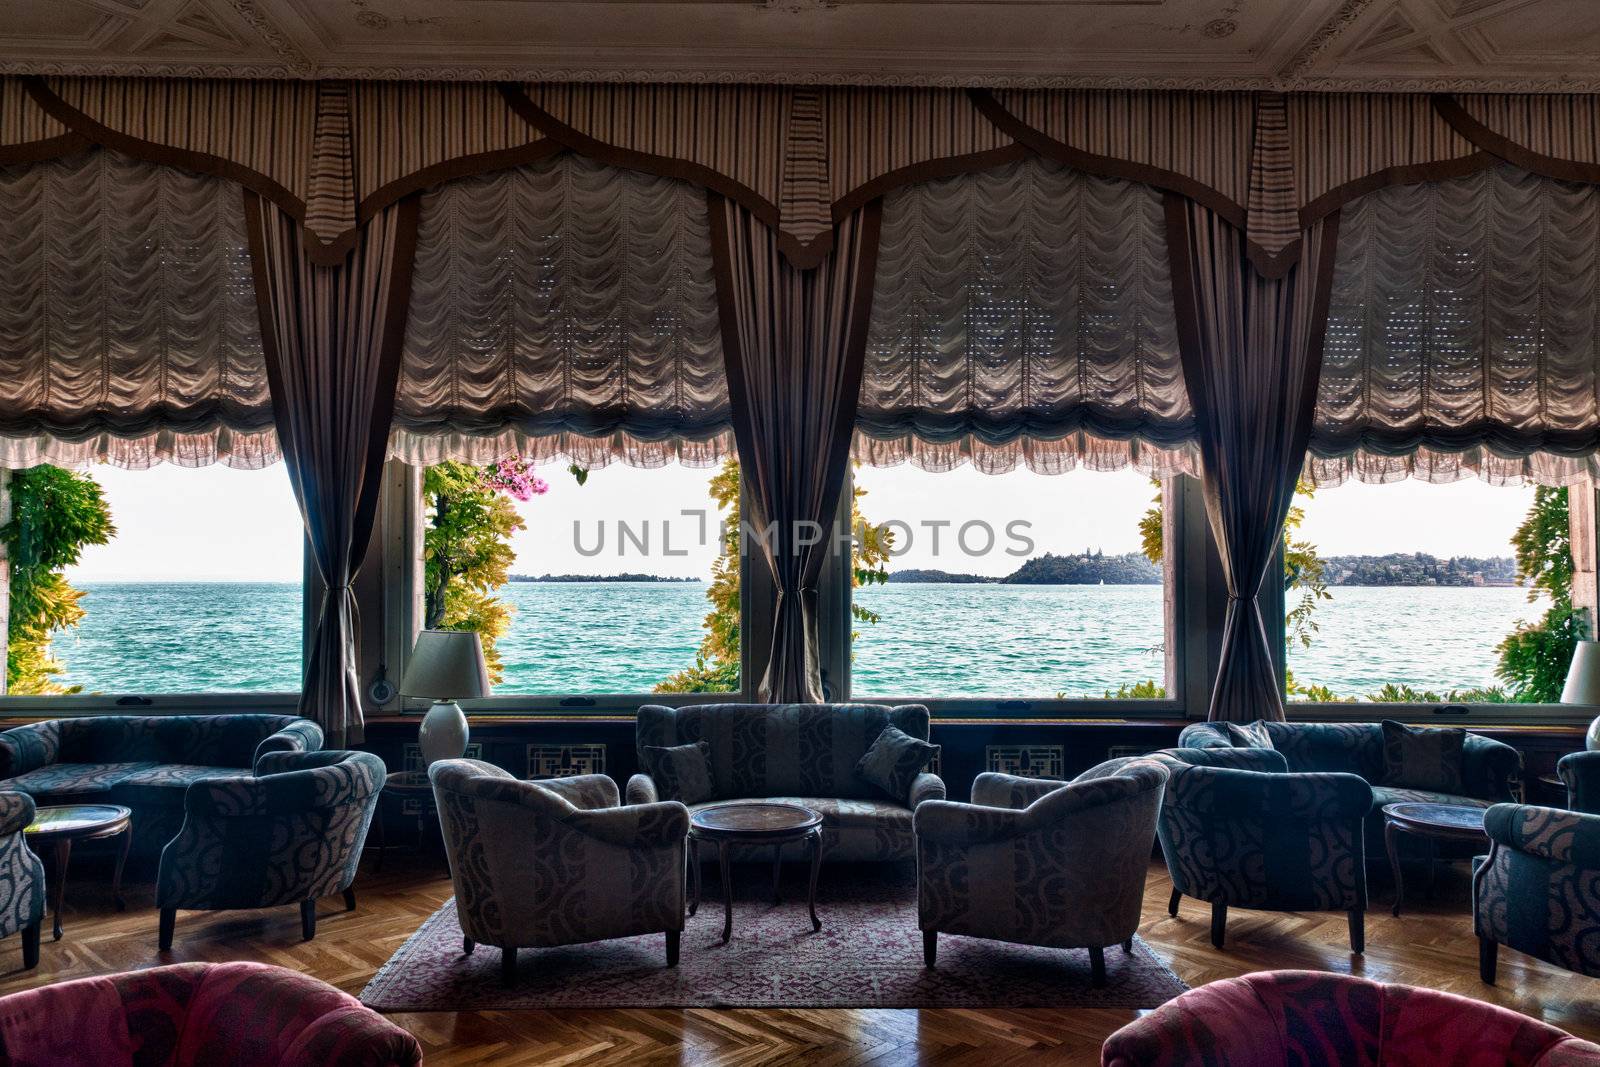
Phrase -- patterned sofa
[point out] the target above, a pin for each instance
(145, 762)
(557, 862)
(803, 753)
(1539, 889)
(1238, 830)
(1039, 862)
(290, 834)
(198, 1015)
(1283, 1018)
(1487, 770)
(21, 877)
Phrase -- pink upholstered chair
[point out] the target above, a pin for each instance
(199, 1014)
(1277, 1018)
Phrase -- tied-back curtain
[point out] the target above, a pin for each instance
(1024, 315)
(793, 341)
(128, 329)
(1462, 334)
(563, 308)
(1252, 352)
(332, 337)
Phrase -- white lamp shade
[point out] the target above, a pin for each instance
(446, 665)
(1583, 677)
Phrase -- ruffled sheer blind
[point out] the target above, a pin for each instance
(1024, 315)
(566, 308)
(128, 324)
(1462, 334)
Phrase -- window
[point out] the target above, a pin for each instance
(1409, 592)
(169, 580)
(1017, 585)
(585, 582)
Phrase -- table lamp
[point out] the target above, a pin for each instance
(1583, 684)
(448, 666)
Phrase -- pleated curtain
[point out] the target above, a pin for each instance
(793, 342)
(332, 337)
(1252, 355)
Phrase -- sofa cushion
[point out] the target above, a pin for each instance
(165, 784)
(74, 779)
(894, 761)
(1248, 734)
(683, 772)
(1422, 757)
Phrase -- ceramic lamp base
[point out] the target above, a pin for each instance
(443, 734)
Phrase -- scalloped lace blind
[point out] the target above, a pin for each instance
(565, 308)
(1464, 334)
(128, 324)
(1024, 315)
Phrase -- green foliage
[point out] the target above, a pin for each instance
(467, 555)
(1147, 690)
(1405, 694)
(55, 513)
(1534, 657)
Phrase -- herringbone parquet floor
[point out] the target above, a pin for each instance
(1431, 944)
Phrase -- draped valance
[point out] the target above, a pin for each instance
(128, 324)
(563, 308)
(1024, 314)
(1464, 333)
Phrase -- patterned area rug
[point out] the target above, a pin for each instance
(867, 955)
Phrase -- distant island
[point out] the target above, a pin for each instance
(598, 578)
(1132, 568)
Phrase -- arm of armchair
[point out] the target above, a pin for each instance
(1235, 794)
(1266, 760)
(352, 778)
(1488, 768)
(16, 812)
(925, 786)
(992, 789)
(1548, 833)
(27, 748)
(661, 825)
(1204, 735)
(1580, 773)
(586, 792)
(642, 790)
(302, 735)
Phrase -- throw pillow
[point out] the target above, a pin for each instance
(1248, 735)
(1422, 757)
(682, 772)
(894, 761)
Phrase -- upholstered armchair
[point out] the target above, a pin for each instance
(21, 877)
(1264, 838)
(290, 834)
(1580, 773)
(557, 862)
(1037, 862)
(1539, 890)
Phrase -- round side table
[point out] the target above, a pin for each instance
(1432, 823)
(753, 823)
(59, 826)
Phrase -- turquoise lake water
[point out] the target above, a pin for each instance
(933, 640)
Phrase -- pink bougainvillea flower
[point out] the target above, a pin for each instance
(514, 475)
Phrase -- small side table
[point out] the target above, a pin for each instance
(398, 788)
(1433, 823)
(59, 826)
(753, 823)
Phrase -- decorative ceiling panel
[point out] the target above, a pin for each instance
(1419, 45)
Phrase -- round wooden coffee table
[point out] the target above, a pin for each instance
(753, 823)
(1432, 823)
(58, 827)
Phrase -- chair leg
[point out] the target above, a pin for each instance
(1172, 905)
(674, 938)
(349, 900)
(1219, 922)
(308, 920)
(1488, 951)
(1358, 931)
(1127, 946)
(930, 948)
(508, 966)
(467, 945)
(169, 920)
(30, 944)
(1097, 967)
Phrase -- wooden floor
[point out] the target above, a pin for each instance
(1430, 945)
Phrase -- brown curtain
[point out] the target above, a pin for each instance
(1252, 354)
(793, 342)
(332, 337)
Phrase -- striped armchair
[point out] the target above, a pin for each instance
(558, 862)
(1037, 862)
(290, 834)
(1539, 889)
(1580, 773)
(1263, 838)
(21, 877)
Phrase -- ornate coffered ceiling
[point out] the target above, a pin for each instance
(1500, 45)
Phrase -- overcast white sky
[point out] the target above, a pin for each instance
(217, 524)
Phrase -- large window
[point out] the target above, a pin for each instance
(161, 581)
(1016, 585)
(1412, 592)
(610, 581)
